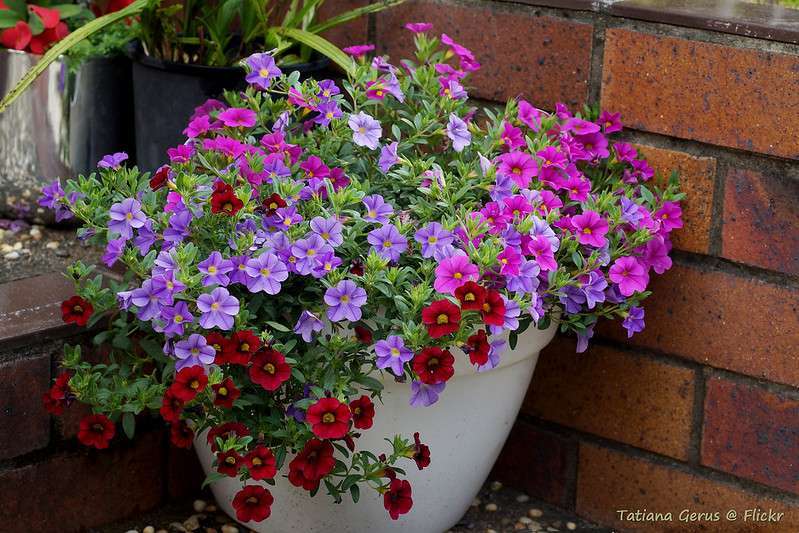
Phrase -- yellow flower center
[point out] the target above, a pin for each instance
(269, 368)
(442, 319)
(265, 272)
(178, 319)
(328, 418)
(457, 275)
(264, 73)
(215, 306)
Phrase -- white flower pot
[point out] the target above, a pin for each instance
(465, 431)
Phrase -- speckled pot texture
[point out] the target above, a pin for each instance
(465, 430)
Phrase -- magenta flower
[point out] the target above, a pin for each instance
(262, 70)
(180, 153)
(541, 250)
(358, 51)
(366, 131)
(265, 273)
(625, 152)
(610, 122)
(418, 27)
(518, 166)
(193, 351)
(433, 237)
(529, 115)
(590, 229)
(392, 353)
(509, 261)
(458, 133)
(669, 216)
(387, 242)
(579, 126)
(238, 117)
(453, 272)
(125, 216)
(656, 255)
(345, 301)
(511, 137)
(629, 274)
(218, 309)
(578, 188)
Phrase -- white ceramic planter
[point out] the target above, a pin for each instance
(465, 430)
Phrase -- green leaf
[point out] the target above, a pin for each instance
(77, 36)
(355, 492)
(20, 7)
(129, 424)
(36, 24)
(69, 10)
(277, 326)
(8, 18)
(321, 45)
(353, 14)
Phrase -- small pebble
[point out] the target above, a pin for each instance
(518, 526)
(491, 507)
(227, 528)
(522, 498)
(192, 523)
(60, 252)
(505, 521)
(36, 233)
(5, 248)
(476, 502)
(133, 531)
(534, 526)
(18, 246)
(496, 485)
(199, 506)
(552, 529)
(571, 526)
(491, 531)
(526, 521)
(210, 509)
(177, 526)
(52, 245)
(535, 513)
(148, 529)
(12, 255)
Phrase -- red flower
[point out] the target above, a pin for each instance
(478, 348)
(329, 418)
(228, 463)
(471, 296)
(159, 177)
(494, 309)
(273, 203)
(76, 310)
(49, 17)
(223, 431)
(363, 334)
(224, 200)
(261, 463)
(171, 406)
(421, 452)
(356, 268)
(58, 396)
(313, 463)
(242, 345)
(441, 318)
(188, 383)
(96, 430)
(16, 37)
(253, 502)
(433, 365)
(363, 411)
(398, 499)
(269, 369)
(181, 435)
(225, 393)
(222, 347)
(40, 43)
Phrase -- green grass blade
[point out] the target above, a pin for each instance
(65, 44)
(354, 14)
(321, 45)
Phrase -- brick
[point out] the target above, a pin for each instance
(547, 60)
(721, 320)
(74, 492)
(353, 32)
(752, 433)
(24, 423)
(538, 462)
(734, 97)
(609, 481)
(697, 178)
(619, 395)
(761, 215)
(31, 308)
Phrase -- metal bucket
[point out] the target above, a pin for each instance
(60, 127)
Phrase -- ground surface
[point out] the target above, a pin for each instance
(497, 509)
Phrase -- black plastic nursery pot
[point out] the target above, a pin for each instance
(166, 93)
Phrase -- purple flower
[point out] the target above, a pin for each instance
(239, 272)
(634, 321)
(262, 70)
(593, 286)
(306, 252)
(325, 263)
(458, 133)
(148, 299)
(113, 161)
(345, 301)
(51, 195)
(265, 273)
(388, 242)
(494, 353)
(526, 281)
(218, 309)
(329, 229)
(193, 351)
(432, 238)
(307, 325)
(178, 228)
(388, 157)
(424, 395)
(572, 299)
(125, 216)
(377, 210)
(328, 111)
(215, 269)
(630, 212)
(146, 237)
(511, 317)
(168, 283)
(327, 89)
(583, 337)
(164, 263)
(113, 251)
(392, 353)
(175, 317)
(366, 131)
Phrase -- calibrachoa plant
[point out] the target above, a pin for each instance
(311, 240)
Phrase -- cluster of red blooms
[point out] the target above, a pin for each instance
(20, 36)
(442, 317)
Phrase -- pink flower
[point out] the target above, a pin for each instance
(238, 117)
(629, 274)
(359, 51)
(512, 137)
(453, 272)
(541, 250)
(610, 122)
(509, 261)
(518, 166)
(669, 216)
(656, 255)
(418, 27)
(590, 229)
(578, 189)
(529, 115)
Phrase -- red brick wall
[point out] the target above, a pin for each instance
(700, 411)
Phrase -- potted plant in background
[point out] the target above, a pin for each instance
(76, 113)
(330, 288)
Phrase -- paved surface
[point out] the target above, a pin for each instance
(496, 510)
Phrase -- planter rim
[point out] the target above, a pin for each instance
(140, 57)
